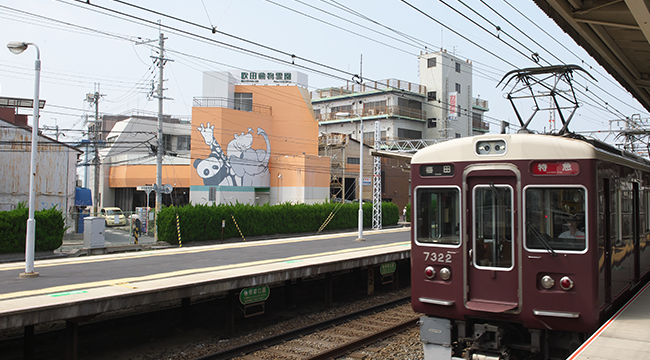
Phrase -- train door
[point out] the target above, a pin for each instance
(607, 250)
(492, 274)
(636, 232)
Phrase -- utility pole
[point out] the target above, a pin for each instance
(161, 64)
(93, 98)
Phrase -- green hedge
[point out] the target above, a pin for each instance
(203, 222)
(13, 229)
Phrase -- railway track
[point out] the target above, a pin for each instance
(329, 339)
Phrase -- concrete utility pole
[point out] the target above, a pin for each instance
(93, 98)
(161, 64)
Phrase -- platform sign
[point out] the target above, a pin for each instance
(254, 294)
(387, 268)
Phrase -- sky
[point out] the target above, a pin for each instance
(107, 47)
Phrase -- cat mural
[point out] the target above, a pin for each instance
(240, 166)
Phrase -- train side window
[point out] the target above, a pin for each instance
(555, 219)
(438, 216)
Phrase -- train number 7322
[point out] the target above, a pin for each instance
(437, 257)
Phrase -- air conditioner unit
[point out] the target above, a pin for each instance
(371, 112)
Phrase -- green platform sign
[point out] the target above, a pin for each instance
(387, 268)
(254, 294)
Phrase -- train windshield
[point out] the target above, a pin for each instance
(438, 215)
(493, 226)
(555, 219)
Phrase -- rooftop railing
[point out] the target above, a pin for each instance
(242, 105)
(367, 86)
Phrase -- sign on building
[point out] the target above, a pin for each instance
(453, 106)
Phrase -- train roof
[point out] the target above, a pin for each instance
(526, 147)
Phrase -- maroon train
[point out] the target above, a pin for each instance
(524, 244)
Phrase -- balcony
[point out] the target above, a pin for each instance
(241, 105)
(480, 125)
(382, 111)
(369, 86)
(480, 103)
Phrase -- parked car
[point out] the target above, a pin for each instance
(111, 214)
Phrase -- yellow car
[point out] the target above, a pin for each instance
(113, 216)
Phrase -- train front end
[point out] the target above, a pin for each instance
(501, 264)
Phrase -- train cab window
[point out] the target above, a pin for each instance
(555, 219)
(438, 216)
(493, 231)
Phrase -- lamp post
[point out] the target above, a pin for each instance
(344, 115)
(18, 47)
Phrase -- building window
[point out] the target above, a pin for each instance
(457, 135)
(408, 103)
(167, 142)
(457, 67)
(111, 140)
(212, 195)
(183, 142)
(244, 101)
(431, 62)
(369, 137)
(431, 96)
(353, 160)
(374, 104)
(458, 88)
(431, 123)
(409, 134)
(343, 108)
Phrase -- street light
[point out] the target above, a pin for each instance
(344, 115)
(18, 47)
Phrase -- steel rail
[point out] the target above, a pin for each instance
(280, 338)
(357, 344)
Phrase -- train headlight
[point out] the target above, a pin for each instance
(445, 273)
(429, 272)
(566, 283)
(547, 282)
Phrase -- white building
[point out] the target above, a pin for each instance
(128, 160)
(439, 107)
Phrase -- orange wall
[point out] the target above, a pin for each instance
(292, 131)
(307, 171)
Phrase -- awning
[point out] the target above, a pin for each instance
(83, 197)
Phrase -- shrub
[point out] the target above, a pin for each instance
(204, 222)
(50, 228)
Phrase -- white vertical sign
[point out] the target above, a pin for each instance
(453, 105)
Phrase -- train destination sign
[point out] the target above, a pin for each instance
(254, 294)
(387, 268)
(555, 168)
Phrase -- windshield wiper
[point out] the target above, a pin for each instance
(541, 239)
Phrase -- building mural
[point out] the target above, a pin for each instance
(241, 165)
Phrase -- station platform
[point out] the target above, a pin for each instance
(624, 336)
(73, 289)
